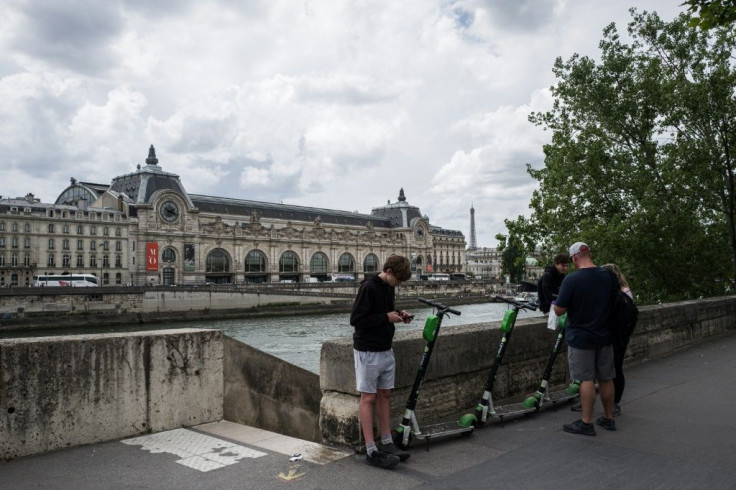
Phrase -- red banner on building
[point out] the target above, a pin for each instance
(151, 256)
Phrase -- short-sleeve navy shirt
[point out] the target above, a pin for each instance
(586, 293)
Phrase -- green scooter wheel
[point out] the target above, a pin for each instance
(468, 420)
(531, 402)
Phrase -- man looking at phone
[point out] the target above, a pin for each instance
(373, 316)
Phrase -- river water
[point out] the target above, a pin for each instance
(297, 339)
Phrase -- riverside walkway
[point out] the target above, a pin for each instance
(677, 430)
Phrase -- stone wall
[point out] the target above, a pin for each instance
(462, 357)
(58, 392)
(266, 392)
(148, 301)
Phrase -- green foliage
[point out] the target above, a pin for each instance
(711, 13)
(640, 164)
(513, 257)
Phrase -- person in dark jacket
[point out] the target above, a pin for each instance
(549, 284)
(373, 316)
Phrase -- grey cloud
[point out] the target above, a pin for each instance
(199, 135)
(285, 188)
(75, 35)
(38, 150)
(163, 8)
(344, 92)
(522, 15)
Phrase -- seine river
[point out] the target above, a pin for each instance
(298, 339)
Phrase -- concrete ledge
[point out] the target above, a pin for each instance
(58, 392)
(462, 357)
(266, 392)
(455, 378)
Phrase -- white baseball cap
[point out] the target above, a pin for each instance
(578, 247)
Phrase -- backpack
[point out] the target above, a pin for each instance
(624, 313)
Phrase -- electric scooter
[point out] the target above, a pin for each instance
(486, 408)
(409, 428)
(542, 396)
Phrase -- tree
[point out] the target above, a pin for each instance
(711, 13)
(640, 165)
(513, 257)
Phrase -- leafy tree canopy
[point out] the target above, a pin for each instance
(640, 164)
(711, 13)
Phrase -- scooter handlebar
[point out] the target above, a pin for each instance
(439, 306)
(519, 304)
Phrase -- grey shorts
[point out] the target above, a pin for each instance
(591, 364)
(374, 370)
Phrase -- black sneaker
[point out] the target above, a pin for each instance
(577, 407)
(579, 427)
(396, 451)
(382, 460)
(607, 424)
(616, 410)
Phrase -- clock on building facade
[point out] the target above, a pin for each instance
(169, 211)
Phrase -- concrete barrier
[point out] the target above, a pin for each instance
(463, 355)
(266, 392)
(57, 392)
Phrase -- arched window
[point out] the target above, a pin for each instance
(346, 263)
(318, 264)
(289, 262)
(218, 261)
(168, 255)
(255, 261)
(370, 264)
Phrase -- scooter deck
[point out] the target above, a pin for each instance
(559, 396)
(442, 430)
(510, 410)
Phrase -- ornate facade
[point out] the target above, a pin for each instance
(144, 228)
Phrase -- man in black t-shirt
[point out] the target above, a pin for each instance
(585, 296)
(373, 317)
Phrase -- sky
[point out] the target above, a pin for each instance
(335, 104)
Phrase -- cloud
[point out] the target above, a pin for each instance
(318, 103)
(492, 175)
(73, 35)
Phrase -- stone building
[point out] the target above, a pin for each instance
(483, 263)
(144, 228)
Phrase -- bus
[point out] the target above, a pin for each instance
(438, 276)
(67, 280)
(343, 278)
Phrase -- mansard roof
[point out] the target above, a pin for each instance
(242, 207)
(436, 230)
(145, 181)
(400, 213)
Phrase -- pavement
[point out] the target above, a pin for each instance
(677, 430)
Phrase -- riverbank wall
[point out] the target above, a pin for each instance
(263, 391)
(462, 357)
(28, 308)
(58, 392)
